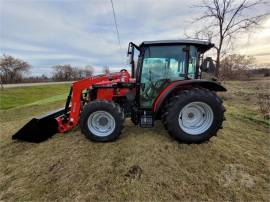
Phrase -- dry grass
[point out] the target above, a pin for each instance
(264, 104)
(144, 164)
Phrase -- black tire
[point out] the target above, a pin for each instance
(175, 105)
(102, 105)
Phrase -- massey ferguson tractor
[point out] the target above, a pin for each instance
(165, 84)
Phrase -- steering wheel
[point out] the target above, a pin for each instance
(155, 86)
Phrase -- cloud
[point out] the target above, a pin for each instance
(256, 44)
(82, 32)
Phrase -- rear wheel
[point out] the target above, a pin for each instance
(194, 116)
(101, 121)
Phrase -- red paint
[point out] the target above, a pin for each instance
(121, 92)
(102, 93)
(105, 94)
(158, 99)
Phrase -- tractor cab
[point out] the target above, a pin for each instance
(162, 62)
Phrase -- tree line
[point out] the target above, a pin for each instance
(69, 73)
(15, 70)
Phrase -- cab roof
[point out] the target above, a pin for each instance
(205, 45)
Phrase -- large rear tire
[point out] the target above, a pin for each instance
(101, 121)
(194, 116)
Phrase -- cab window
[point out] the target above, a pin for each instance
(160, 66)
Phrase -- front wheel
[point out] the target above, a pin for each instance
(101, 121)
(194, 116)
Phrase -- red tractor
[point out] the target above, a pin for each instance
(165, 85)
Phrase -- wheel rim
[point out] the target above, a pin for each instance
(196, 118)
(101, 123)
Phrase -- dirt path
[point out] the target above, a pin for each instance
(14, 85)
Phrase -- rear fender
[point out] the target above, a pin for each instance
(185, 84)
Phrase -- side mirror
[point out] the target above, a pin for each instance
(130, 53)
(208, 65)
(129, 49)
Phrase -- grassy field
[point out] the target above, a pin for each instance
(18, 97)
(144, 164)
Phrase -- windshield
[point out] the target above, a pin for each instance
(167, 62)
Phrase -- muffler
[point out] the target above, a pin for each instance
(41, 128)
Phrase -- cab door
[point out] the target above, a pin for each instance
(160, 66)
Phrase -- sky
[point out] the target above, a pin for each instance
(82, 32)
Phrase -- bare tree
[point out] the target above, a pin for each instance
(78, 73)
(106, 69)
(236, 67)
(225, 18)
(88, 71)
(1, 83)
(12, 69)
(68, 73)
(82, 72)
(63, 73)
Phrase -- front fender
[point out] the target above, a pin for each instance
(184, 84)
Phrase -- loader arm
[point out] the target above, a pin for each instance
(71, 117)
(62, 120)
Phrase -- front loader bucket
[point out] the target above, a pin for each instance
(39, 129)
